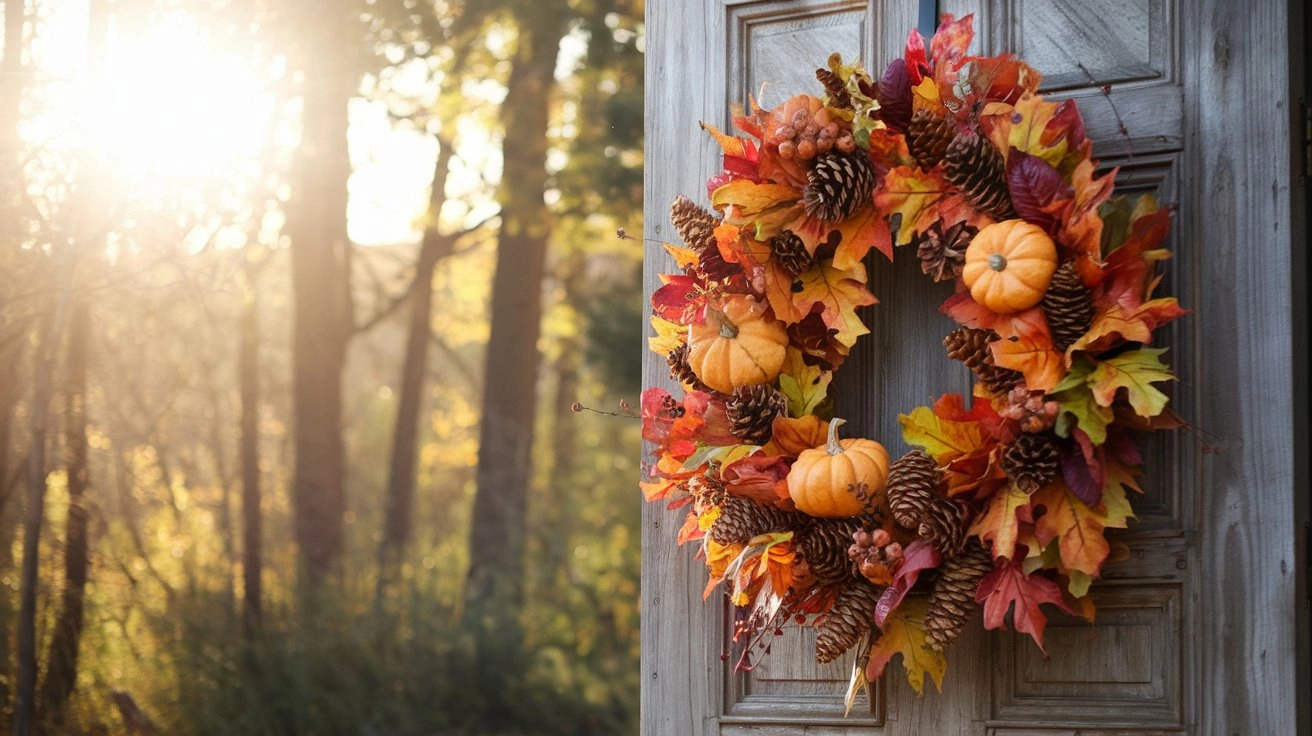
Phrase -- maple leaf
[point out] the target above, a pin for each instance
(1008, 584)
(904, 634)
(916, 558)
(1001, 522)
(943, 439)
(805, 386)
(1135, 371)
(913, 199)
(766, 207)
(840, 291)
(669, 335)
(1022, 126)
(1077, 527)
(948, 45)
(968, 312)
(1077, 406)
(1026, 346)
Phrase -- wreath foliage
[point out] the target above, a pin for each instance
(958, 161)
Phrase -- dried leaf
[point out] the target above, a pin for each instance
(1008, 585)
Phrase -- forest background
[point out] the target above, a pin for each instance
(299, 300)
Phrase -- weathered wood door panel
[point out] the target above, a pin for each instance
(1196, 629)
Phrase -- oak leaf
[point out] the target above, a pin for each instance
(840, 291)
(1026, 346)
(1001, 522)
(944, 440)
(1135, 371)
(1077, 527)
(904, 634)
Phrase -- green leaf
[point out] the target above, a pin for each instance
(1079, 583)
(1135, 372)
(1078, 406)
(805, 386)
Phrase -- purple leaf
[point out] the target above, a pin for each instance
(1034, 184)
(1082, 468)
(895, 96)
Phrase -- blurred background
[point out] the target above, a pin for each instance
(319, 328)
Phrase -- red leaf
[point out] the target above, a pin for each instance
(760, 478)
(947, 49)
(916, 558)
(917, 64)
(1082, 468)
(1034, 185)
(895, 96)
(1007, 585)
(968, 312)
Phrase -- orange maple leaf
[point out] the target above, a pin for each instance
(1001, 523)
(913, 199)
(1026, 346)
(1078, 528)
(840, 292)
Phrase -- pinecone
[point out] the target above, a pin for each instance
(835, 88)
(953, 599)
(824, 544)
(851, 616)
(971, 346)
(791, 253)
(912, 486)
(752, 410)
(741, 518)
(928, 137)
(838, 185)
(694, 224)
(1068, 306)
(975, 167)
(680, 371)
(942, 252)
(944, 523)
(1031, 461)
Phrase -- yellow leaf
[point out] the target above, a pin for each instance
(904, 634)
(669, 335)
(1001, 523)
(943, 439)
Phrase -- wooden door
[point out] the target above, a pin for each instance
(1197, 630)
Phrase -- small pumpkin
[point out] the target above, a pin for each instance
(1009, 265)
(841, 478)
(736, 345)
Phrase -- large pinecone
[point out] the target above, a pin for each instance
(975, 167)
(953, 599)
(851, 616)
(1031, 461)
(944, 524)
(677, 360)
(823, 544)
(942, 252)
(752, 410)
(1068, 306)
(928, 137)
(971, 346)
(912, 486)
(790, 252)
(838, 185)
(694, 224)
(741, 518)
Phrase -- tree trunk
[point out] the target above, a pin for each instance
(316, 222)
(494, 589)
(62, 657)
(248, 371)
(414, 367)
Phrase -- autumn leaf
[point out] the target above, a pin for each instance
(765, 207)
(1135, 371)
(904, 634)
(1077, 528)
(1007, 587)
(1034, 185)
(840, 291)
(1083, 467)
(805, 386)
(913, 199)
(669, 335)
(1022, 126)
(968, 312)
(944, 440)
(1000, 524)
(1026, 346)
(1077, 406)
(916, 558)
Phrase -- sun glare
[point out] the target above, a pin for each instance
(167, 104)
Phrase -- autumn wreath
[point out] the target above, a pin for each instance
(961, 161)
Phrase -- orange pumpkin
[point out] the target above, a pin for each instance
(736, 345)
(840, 478)
(1009, 265)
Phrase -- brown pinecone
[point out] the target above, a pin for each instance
(835, 88)
(741, 518)
(677, 360)
(1031, 461)
(1068, 306)
(975, 167)
(694, 224)
(824, 544)
(971, 346)
(912, 487)
(752, 410)
(953, 599)
(851, 616)
(944, 523)
(928, 137)
(838, 185)
(791, 253)
(942, 252)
